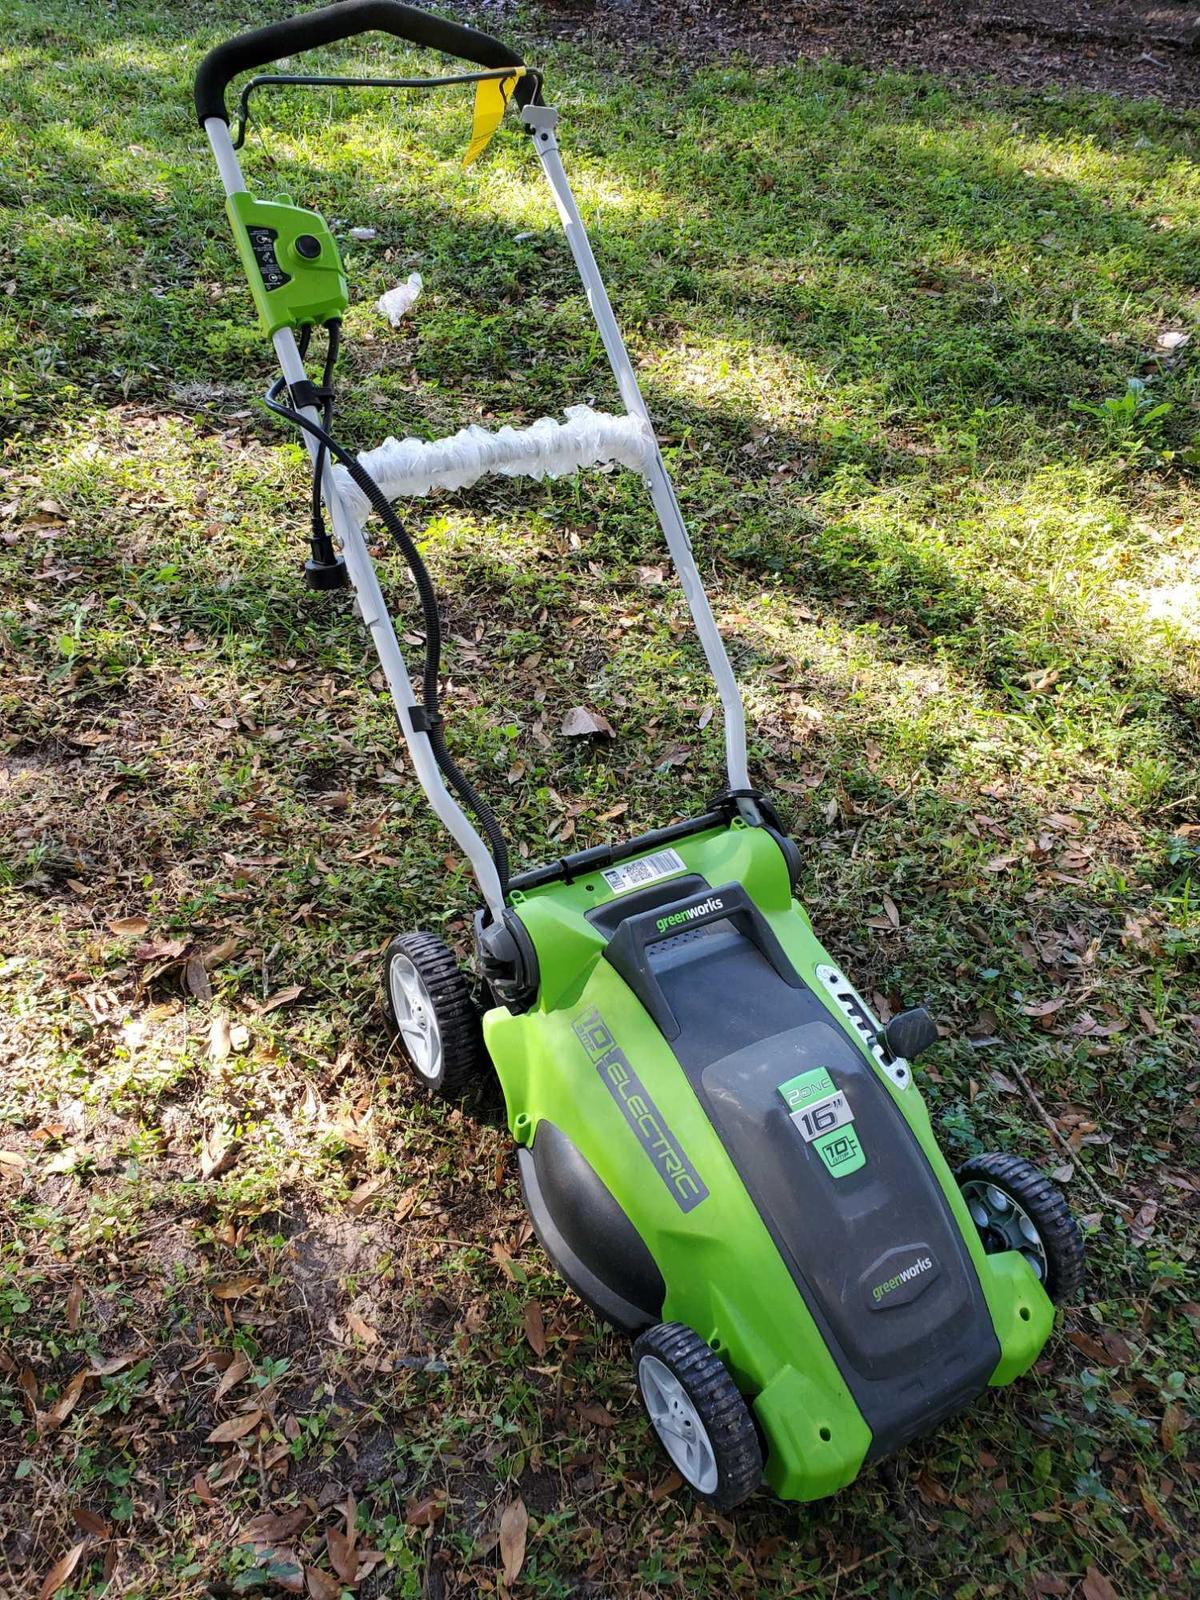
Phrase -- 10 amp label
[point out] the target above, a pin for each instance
(822, 1115)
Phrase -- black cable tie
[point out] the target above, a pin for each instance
(421, 720)
(307, 393)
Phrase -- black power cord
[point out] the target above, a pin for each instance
(431, 616)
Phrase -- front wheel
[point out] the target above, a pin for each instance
(700, 1418)
(1016, 1208)
(429, 1006)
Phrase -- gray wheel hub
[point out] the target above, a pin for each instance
(678, 1425)
(416, 1020)
(997, 1213)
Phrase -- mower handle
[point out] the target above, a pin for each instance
(261, 46)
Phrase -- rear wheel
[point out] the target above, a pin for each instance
(700, 1418)
(1016, 1208)
(431, 1011)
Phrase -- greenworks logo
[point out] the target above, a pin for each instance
(882, 1290)
(704, 909)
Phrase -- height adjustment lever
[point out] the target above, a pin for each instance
(910, 1032)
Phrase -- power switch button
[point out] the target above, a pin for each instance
(307, 246)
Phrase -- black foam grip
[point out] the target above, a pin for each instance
(261, 46)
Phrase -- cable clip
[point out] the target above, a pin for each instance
(307, 393)
(422, 721)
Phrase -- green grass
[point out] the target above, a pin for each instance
(877, 320)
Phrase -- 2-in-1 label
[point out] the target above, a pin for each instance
(821, 1114)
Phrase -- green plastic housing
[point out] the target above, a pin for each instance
(291, 262)
(724, 1276)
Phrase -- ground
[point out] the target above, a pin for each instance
(918, 351)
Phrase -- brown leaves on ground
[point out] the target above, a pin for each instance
(235, 1428)
(235, 1372)
(62, 1408)
(242, 1283)
(283, 998)
(535, 1328)
(514, 1525)
(62, 1570)
(582, 722)
(425, 1511)
(1096, 1586)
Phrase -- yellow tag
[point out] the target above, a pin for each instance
(491, 101)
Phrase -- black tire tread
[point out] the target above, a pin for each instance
(1046, 1207)
(724, 1412)
(454, 1009)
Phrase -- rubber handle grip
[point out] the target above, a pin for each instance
(261, 46)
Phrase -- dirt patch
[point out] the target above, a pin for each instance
(1124, 47)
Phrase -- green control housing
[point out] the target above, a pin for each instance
(291, 261)
(723, 1272)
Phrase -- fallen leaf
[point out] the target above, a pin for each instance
(161, 950)
(90, 1521)
(514, 1524)
(217, 1156)
(1095, 1586)
(424, 1513)
(320, 1585)
(1143, 1223)
(195, 979)
(1045, 1008)
(283, 998)
(105, 1366)
(1156, 1513)
(893, 913)
(65, 1404)
(237, 1369)
(535, 1328)
(61, 1570)
(666, 1486)
(134, 927)
(1091, 1348)
(234, 1288)
(1171, 1427)
(219, 952)
(504, 1261)
(11, 1158)
(361, 1330)
(202, 1489)
(235, 1428)
(219, 1043)
(271, 1528)
(581, 721)
(599, 1415)
(74, 1305)
(341, 1555)
(365, 1193)
(285, 1570)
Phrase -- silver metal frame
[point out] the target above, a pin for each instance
(541, 121)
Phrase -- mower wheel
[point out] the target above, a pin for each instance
(700, 1418)
(429, 1007)
(1016, 1208)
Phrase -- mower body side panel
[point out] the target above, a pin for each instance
(765, 1249)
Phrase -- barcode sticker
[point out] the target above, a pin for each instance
(649, 869)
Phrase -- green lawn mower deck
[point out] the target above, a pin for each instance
(722, 1151)
(714, 1132)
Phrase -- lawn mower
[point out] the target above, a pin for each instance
(721, 1147)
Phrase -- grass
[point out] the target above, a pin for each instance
(886, 327)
